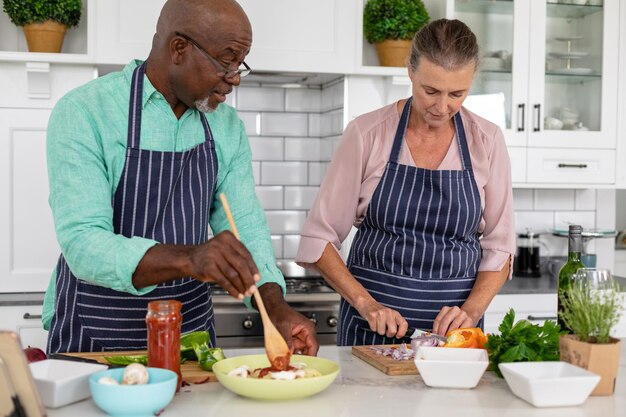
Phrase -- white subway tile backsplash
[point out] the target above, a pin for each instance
(284, 124)
(290, 246)
(317, 170)
(315, 124)
(261, 98)
(303, 100)
(277, 244)
(271, 197)
(538, 221)
(332, 97)
(523, 199)
(332, 123)
(284, 173)
(300, 198)
(562, 219)
(554, 200)
(307, 149)
(267, 148)
(585, 200)
(326, 149)
(285, 222)
(252, 122)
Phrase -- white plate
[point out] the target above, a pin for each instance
(569, 55)
(549, 384)
(442, 367)
(572, 71)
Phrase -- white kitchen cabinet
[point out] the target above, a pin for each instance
(28, 245)
(25, 320)
(124, 29)
(556, 64)
(536, 308)
(302, 35)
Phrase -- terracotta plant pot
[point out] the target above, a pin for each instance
(45, 37)
(601, 359)
(393, 53)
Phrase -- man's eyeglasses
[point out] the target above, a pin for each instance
(223, 71)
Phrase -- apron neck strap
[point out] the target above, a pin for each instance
(462, 140)
(400, 131)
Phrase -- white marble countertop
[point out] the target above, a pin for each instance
(360, 390)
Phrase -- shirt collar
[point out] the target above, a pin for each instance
(148, 89)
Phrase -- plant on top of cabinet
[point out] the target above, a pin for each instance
(390, 25)
(44, 21)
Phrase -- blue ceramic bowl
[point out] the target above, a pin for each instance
(134, 400)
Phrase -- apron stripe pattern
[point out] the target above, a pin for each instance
(165, 196)
(417, 249)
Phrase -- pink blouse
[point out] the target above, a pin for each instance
(358, 165)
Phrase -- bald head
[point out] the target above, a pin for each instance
(202, 18)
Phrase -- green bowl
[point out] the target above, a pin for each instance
(269, 389)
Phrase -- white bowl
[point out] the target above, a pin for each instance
(62, 382)
(549, 384)
(451, 367)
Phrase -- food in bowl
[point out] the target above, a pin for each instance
(295, 371)
(134, 374)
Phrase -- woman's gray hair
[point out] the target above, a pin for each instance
(449, 44)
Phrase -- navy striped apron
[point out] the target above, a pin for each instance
(165, 196)
(417, 249)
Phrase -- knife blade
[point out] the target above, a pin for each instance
(412, 333)
(63, 357)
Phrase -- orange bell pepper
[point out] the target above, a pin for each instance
(466, 338)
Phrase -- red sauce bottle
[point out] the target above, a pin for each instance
(163, 321)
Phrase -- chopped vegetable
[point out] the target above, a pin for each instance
(424, 341)
(466, 338)
(207, 356)
(402, 353)
(523, 342)
(123, 360)
(187, 341)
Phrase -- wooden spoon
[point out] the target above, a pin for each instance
(276, 348)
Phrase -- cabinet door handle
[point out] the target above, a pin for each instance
(531, 317)
(562, 165)
(521, 120)
(28, 316)
(537, 124)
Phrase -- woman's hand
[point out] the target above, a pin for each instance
(383, 320)
(451, 318)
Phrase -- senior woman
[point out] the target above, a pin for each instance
(428, 185)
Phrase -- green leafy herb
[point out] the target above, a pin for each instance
(591, 314)
(23, 12)
(523, 342)
(393, 19)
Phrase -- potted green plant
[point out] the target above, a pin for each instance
(390, 25)
(591, 315)
(44, 21)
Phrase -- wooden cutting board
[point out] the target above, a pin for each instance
(385, 364)
(192, 372)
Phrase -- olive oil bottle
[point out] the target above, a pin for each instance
(574, 262)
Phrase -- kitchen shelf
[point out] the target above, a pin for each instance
(504, 7)
(572, 11)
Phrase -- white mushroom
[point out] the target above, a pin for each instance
(135, 374)
(242, 372)
(107, 380)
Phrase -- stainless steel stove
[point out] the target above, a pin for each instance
(306, 292)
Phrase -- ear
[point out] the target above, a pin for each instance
(178, 48)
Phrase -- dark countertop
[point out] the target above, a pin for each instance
(544, 285)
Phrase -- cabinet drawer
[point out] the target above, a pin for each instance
(571, 166)
(536, 308)
(26, 321)
(518, 164)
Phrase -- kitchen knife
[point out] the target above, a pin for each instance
(63, 357)
(412, 333)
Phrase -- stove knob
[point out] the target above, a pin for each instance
(247, 323)
(313, 318)
(332, 321)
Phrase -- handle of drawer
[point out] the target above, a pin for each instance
(531, 317)
(28, 316)
(521, 108)
(562, 165)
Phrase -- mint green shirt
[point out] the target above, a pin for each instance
(86, 150)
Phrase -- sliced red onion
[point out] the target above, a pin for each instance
(424, 341)
(402, 353)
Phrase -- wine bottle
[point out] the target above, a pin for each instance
(574, 262)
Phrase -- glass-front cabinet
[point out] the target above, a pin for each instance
(548, 76)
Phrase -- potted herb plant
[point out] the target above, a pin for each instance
(390, 25)
(44, 21)
(591, 314)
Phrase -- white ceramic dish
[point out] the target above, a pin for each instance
(549, 384)
(62, 382)
(451, 367)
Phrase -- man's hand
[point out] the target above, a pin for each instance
(298, 331)
(223, 260)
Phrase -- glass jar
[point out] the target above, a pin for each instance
(163, 322)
